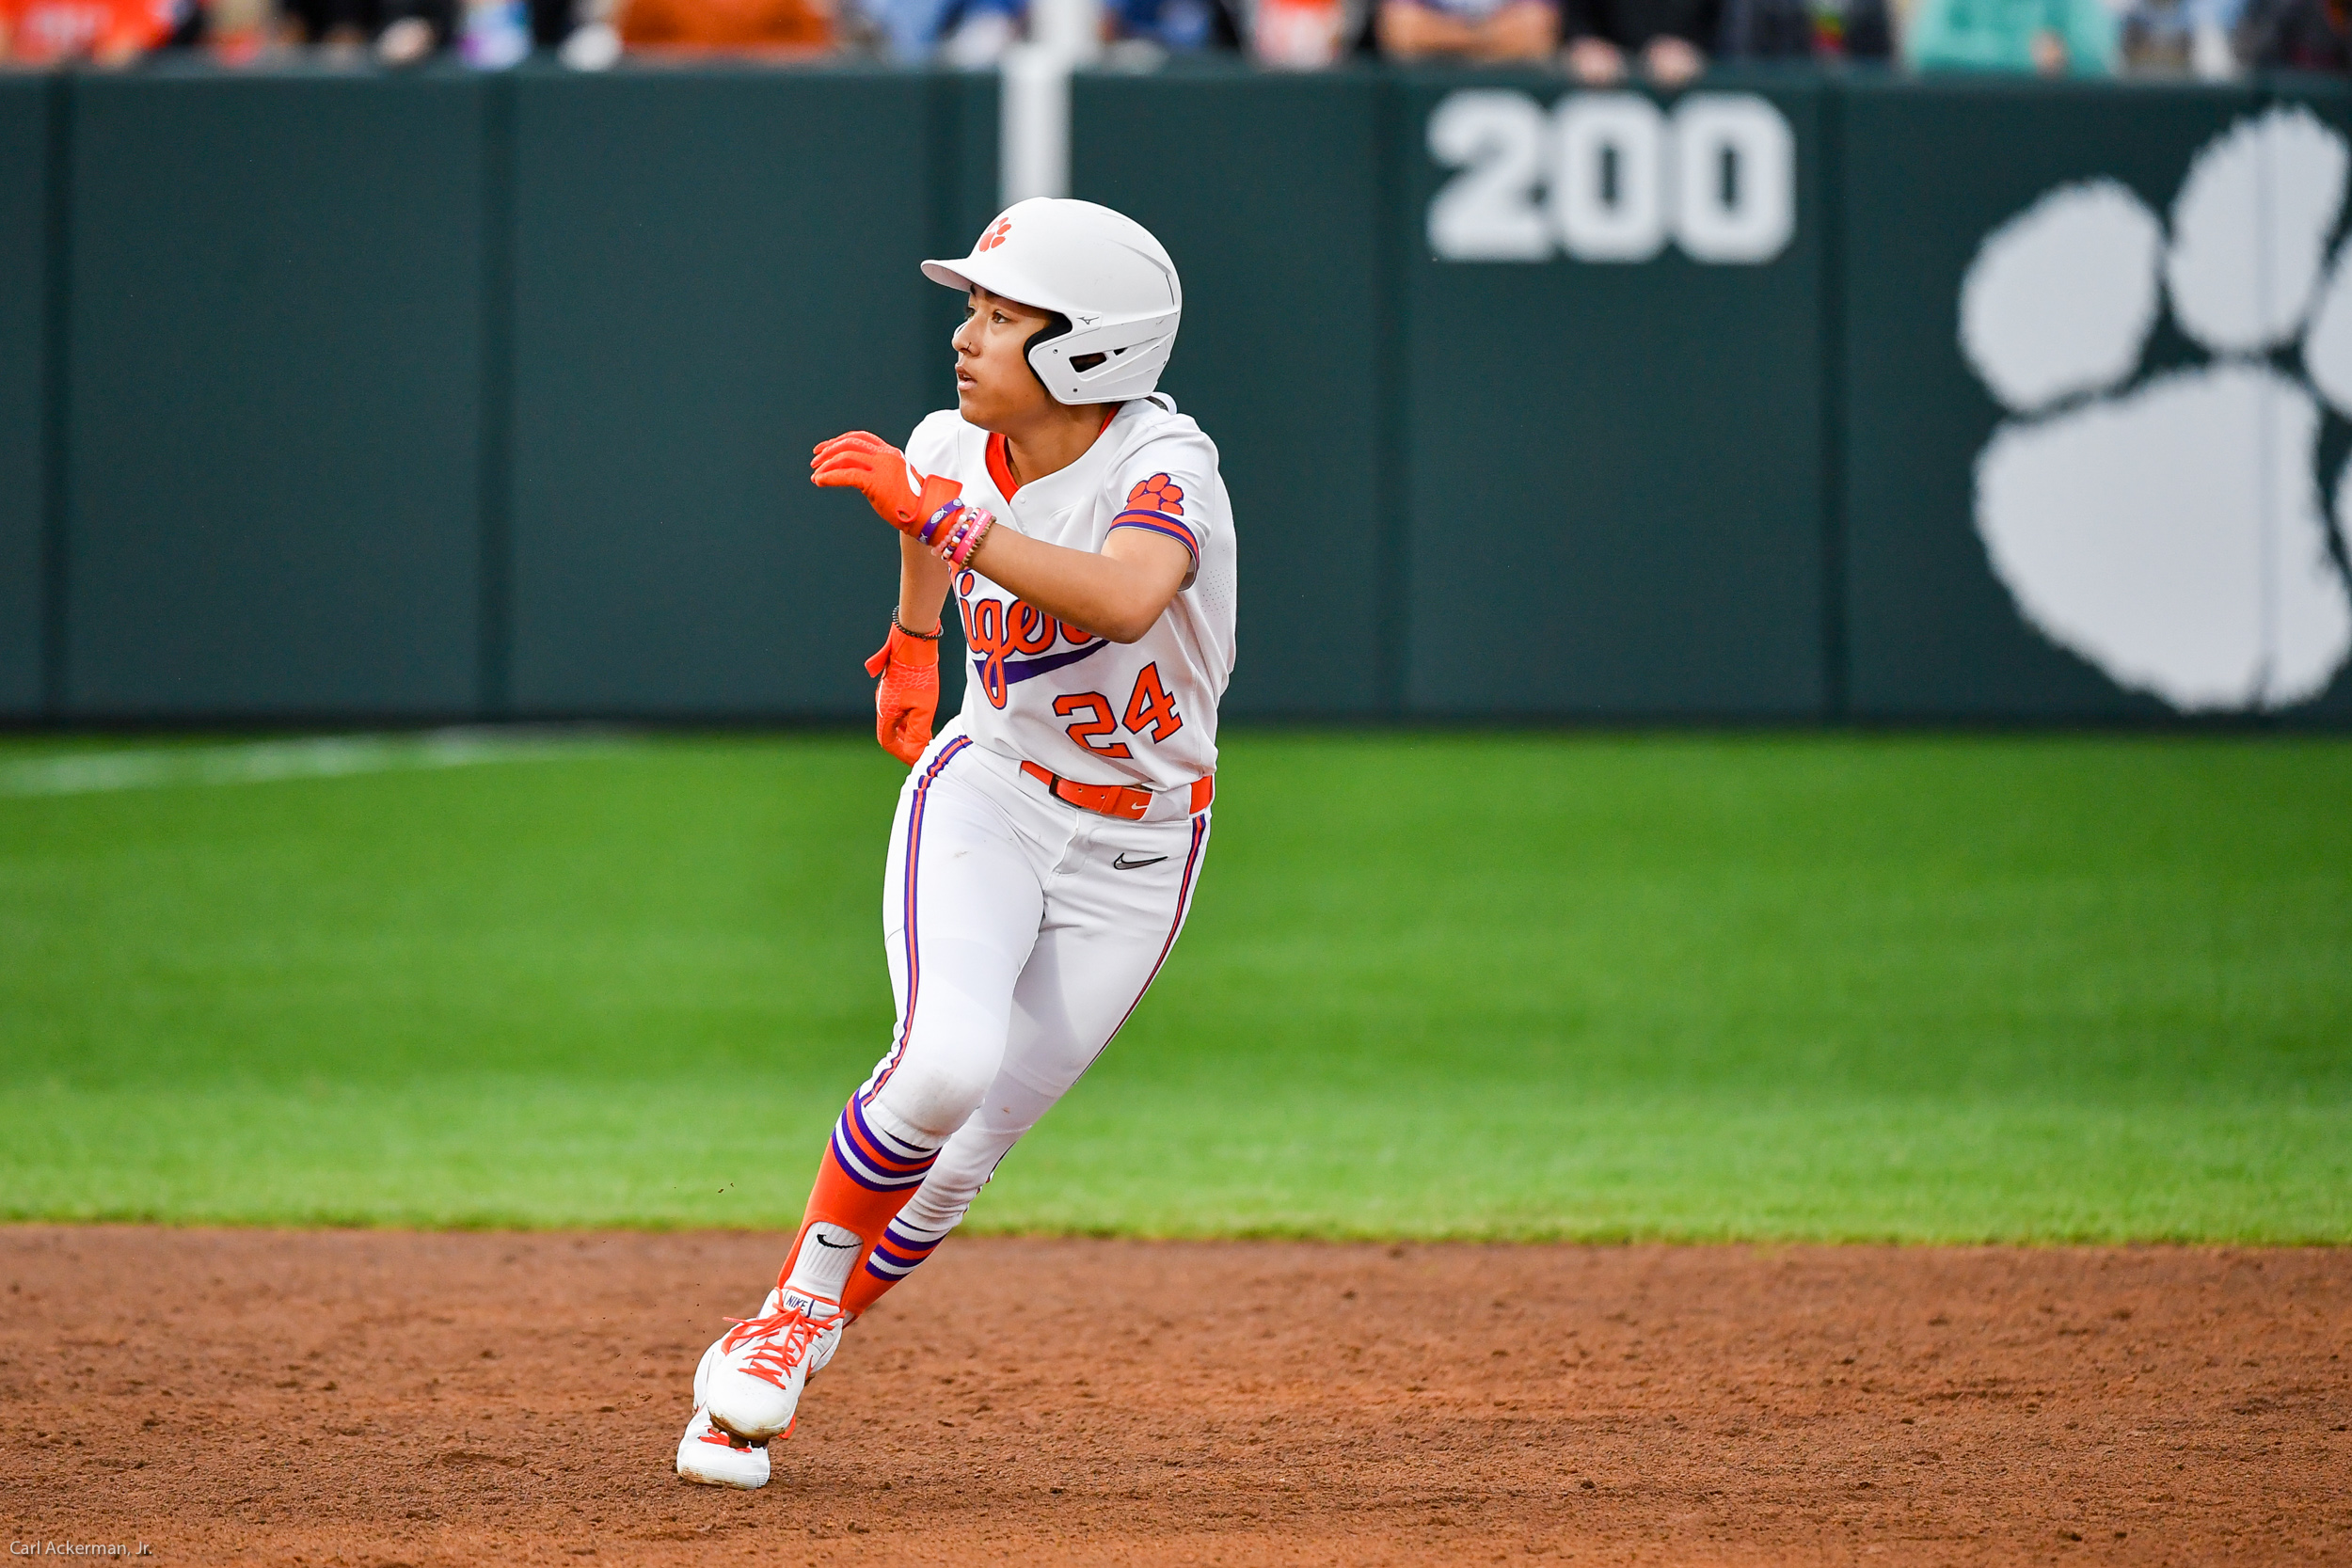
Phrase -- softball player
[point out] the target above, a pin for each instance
(1048, 840)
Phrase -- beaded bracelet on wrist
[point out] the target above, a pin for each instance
(960, 533)
(967, 539)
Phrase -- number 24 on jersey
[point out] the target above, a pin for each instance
(1149, 710)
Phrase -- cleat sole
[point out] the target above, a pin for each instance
(736, 1438)
(693, 1479)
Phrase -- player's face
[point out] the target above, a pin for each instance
(994, 387)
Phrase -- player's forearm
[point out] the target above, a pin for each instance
(922, 586)
(1113, 596)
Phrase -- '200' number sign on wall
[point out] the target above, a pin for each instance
(1610, 177)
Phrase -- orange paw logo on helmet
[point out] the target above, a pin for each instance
(994, 237)
(1158, 493)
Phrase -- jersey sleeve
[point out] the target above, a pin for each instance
(933, 447)
(1169, 488)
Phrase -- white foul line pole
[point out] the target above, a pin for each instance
(1034, 131)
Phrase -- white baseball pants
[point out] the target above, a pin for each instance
(1022, 932)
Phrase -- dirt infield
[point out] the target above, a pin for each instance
(380, 1399)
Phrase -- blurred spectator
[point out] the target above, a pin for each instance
(2047, 38)
(1307, 35)
(238, 32)
(1179, 27)
(494, 34)
(339, 25)
(594, 44)
(977, 33)
(1669, 36)
(1826, 31)
(1468, 29)
(776, 28)
(406, 40)
(2179, 38)
(2296, 35)
(967, 33)
(109, 32)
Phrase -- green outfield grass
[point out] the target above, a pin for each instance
(1784, 986)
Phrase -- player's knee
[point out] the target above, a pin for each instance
(936, 1097)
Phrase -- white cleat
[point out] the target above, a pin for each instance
(751, 1381)
(710, 1457)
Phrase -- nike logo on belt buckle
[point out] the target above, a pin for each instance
(1123, 864)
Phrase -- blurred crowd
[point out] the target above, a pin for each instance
(1595, 42)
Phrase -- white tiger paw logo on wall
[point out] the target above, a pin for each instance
(2171, 529)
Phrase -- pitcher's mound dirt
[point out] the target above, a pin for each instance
(380, 1399)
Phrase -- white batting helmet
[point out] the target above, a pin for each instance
(1102, 270)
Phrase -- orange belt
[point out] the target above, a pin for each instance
(1121, 800)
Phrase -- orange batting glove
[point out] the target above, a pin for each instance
(867, 462)
(908, 694)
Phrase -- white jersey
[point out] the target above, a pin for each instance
(1082, 707)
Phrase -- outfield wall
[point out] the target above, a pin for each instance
(355, 397)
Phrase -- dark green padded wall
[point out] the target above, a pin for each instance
(1267, 189)
(276, 379)
(1932, 169)
(23, 296)
(420, 395)
(1615, 479)
(714, 271)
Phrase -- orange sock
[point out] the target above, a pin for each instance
(889, 1261)
(865, 1178)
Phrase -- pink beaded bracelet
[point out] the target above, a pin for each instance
(963, 535)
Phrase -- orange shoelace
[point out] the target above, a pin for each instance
(789, 1334)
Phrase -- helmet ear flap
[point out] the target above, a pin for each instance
(1058, 326)
(1054, 329)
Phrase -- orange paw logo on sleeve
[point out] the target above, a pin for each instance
(994, 237)
(1157, 494)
